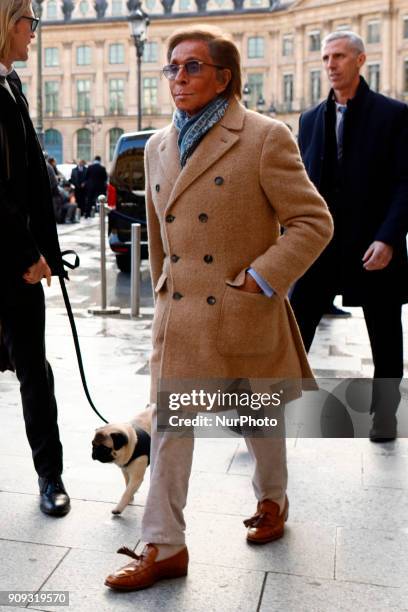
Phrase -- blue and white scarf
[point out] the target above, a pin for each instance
(193, 129)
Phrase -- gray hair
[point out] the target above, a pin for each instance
(356, 42)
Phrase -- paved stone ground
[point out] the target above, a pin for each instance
(346, 541)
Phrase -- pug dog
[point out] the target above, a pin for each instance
(128, 446)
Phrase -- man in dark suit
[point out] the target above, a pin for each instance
(78, 180)
(355, 149)
(29, 252)
(96, 180)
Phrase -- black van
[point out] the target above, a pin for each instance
(126, 195)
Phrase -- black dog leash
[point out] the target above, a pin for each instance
(74, 330)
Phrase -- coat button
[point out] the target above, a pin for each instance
(218, 180)
(208, 259)
(174, 258)
(170, 218)
(177, 295)
(211, 300)
(203, 218)
(157, 188)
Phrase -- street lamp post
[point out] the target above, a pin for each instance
(246, 94)
(94, 125)
(138, 22)
(40, 125)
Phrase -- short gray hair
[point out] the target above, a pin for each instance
(354, 39)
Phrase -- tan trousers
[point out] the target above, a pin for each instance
(170, 468)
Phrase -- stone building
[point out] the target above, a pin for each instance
(89, 61)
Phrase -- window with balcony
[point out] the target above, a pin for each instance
(314, 41)
(51, 56)
(287, 46)
(315, 86)
(20, 64)
(406, 76)
(84, 145)
(150, 94)
(51, 89)
(288, 90)
(116, 96)
(151, 52)
(256, 47)
(405, 27)
(373, 32)
(114, 135)
(373, 76)
(116, 53)
(256, 85)
(24, 88)
(83, 87)
(52, 9)
(83, 55)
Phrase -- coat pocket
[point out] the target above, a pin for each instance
(160, 308)
(249, 324)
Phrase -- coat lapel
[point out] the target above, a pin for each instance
(169, 155)
(214, 145)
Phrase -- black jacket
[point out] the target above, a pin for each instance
(27, 224)
(367, 192)
(96, 179)
(78, 178)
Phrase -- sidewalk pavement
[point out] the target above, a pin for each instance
(346, 541)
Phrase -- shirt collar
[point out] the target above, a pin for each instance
(4, 72)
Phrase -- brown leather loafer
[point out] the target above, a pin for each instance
(267, 524)
(144, 571)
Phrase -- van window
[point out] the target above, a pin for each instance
(129, 168)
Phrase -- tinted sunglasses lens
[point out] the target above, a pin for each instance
(34, 24)
(170, 71)
(193, 67)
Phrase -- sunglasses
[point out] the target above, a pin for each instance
(193, 68)
(34, 22)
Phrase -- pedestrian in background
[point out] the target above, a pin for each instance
(95, 184)
(355, 149)
(219, 182)
(78, 180)
(29, 252)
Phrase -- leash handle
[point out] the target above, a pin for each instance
(74, 330)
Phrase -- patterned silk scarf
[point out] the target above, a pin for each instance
(193, 129)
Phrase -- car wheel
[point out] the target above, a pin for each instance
(123, 263)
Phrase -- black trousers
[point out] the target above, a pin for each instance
(382, 315)
(22, 315)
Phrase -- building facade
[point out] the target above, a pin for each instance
(89, 61)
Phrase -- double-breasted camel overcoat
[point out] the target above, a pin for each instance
(209, 222)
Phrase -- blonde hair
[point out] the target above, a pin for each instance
(223, 52)
(10, 12)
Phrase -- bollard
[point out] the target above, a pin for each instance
(103, 309)
(135, 270)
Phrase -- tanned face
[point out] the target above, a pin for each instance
(192, 92)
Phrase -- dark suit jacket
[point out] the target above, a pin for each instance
(27, 224)
(96, 179)
(370, 201)
(78, 178)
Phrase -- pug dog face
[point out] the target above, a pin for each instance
(110, 445)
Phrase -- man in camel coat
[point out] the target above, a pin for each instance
(220, 182)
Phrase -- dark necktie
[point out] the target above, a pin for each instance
(340, 131)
